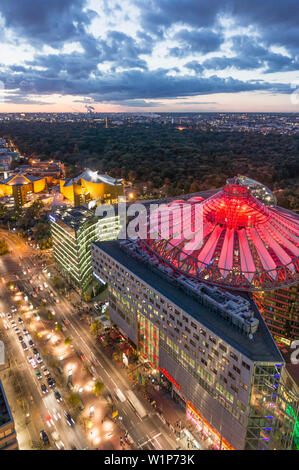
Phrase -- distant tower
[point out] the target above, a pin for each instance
(106, 122)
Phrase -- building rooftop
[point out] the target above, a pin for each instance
(73, 217)
(5, 413)
(20, 178)
(260, 348)
(95, 177)
(231, 239)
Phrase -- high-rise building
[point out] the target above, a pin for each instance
(171, 294)
(280, 308)
(8, 437)
(73, 230)
(211, 348)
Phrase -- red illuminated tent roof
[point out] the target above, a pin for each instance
(240, 244)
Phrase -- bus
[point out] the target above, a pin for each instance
(135, 403)
(120, 395)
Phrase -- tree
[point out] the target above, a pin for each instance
(98, 388)
(94, 327)
(194, 187)
(68, 341)
(3, 247)
(74, 401)
(58, 327)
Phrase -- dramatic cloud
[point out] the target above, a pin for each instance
(137, 54)
(203, 41)
(250, 55)
(47, 22)
(135, 84)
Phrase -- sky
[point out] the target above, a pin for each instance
(149, 55)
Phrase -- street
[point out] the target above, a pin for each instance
(147, 433)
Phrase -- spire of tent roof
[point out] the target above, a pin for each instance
(241, 243)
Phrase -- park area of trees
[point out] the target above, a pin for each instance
(162, 160)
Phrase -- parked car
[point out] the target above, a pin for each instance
(51, 382)
(39, 359)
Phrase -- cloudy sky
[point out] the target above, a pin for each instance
(149, 55)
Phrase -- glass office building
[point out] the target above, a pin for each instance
(73, 230)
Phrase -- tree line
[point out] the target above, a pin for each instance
(162, 160)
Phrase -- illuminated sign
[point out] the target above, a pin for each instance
(52, 218)
(169, 377)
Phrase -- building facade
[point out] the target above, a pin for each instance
(21, 184)
(280, 309)
(72, 231)
(212, 348)
(8, 437)
(90, 185)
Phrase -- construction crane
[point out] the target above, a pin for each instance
(90, 109)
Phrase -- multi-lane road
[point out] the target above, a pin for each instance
(146, 433)
(33, 410)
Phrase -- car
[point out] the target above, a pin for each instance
(24, 346)
(44, 389)
(68, 418)
(45, 285)
(13, 309)
(32, 362)
(46, 372)
(21, 339)
(56, 414)
(39, 359)
(58, 396)
(13, 323)
(57, 441)
(44, 437)
(20, 320)
(25, 331)
(35, 352)
(51, 382)
(38, 374)
(31, 343)
(17, 331)
(9, 315)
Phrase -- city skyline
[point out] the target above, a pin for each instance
(162, 56)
